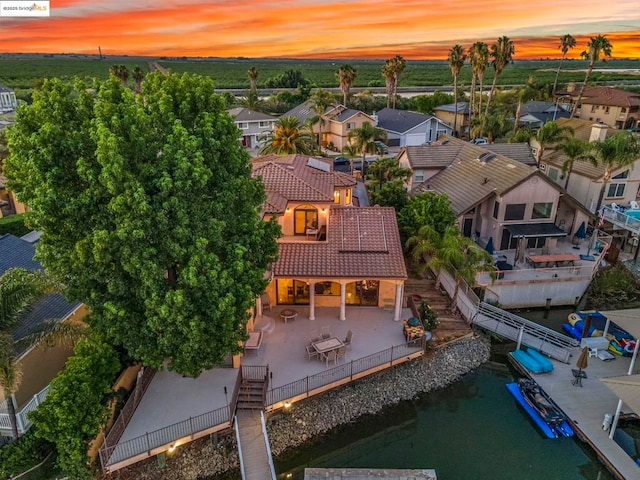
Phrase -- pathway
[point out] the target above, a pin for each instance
(255, 457)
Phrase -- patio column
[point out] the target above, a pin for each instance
(258, 306)
(343, 301)
(312, 301)
(398, 308)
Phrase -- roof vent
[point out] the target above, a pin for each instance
(485, 180)
(486, 157)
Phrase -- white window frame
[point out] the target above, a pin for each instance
(243, 125)
(618, 188)
(265, 124)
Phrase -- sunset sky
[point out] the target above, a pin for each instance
(319, 28)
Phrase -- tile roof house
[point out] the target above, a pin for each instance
(40, 364)
(612, 106)
(427, 160)
(331, 253)
(405, 128)
(338, 122)
(8, 100)
(535, 113)
(447, 113)
(252, 125)
(585, 180)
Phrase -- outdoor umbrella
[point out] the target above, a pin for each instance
(489, 247)
(520, 249)
(582, 231)
(581, 364)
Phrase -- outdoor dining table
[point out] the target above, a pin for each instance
(544, 260)
(328, 344)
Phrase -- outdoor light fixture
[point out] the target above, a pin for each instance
(172, 447)
(287, 405)
(288, 210)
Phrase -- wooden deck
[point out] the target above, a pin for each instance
(586, 406)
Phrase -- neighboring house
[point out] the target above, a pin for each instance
(252, 125)
(497, 198)
(585, 181)
(427, 160)
(331, 253)
(535, 113)
(337, 122)
(447, 113)
(40, 364)
(406, 128)
(8, 101)
(9, 204)
(614, 107)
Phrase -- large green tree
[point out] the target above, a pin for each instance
(149, 213)
(597, 48)
(428, 208)
(456, 59)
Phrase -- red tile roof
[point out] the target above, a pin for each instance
(361, 243)
(606, 96)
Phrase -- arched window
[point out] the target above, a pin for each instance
(305, 217)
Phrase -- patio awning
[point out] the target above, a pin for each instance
(629, 320)
(528, 230)
(626, 388)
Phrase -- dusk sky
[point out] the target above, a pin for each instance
(320, 28)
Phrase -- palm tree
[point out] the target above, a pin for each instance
(391, 72)
(138, 75)
(19, 290)
(422, 248)
(346, 75)
(253, 102)
(321, 100)
(387, 73)
(364, 138)
(549, 134)
(567, 42)
(492, 126)
(456, 60)
(399, 63)
(502, 54)
(287, 137)
(573, 149)
(252, 73)
(479, 59)
(617, 151)
(597, 47)
(387, 170)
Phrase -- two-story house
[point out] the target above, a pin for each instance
(252, 125)
(8, 100)
(40, 364)
(447, 113)
(611, 106)
(405, 128)
(331, 253)
(335, 124)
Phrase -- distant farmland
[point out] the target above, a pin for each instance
(20, 72)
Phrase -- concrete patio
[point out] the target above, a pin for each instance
(172, 398)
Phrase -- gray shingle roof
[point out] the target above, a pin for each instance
(515, 151)
(535, 106)
(242, 114)
(545, 117)
(345, 115)
(468, 180)
(18, 253)
(463, 107)
(400, 121)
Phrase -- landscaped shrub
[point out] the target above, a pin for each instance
(14, 224)
(613, 287)
(76, 404)
(428, 316)
(22, 454)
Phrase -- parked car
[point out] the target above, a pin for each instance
(381, 147)
(479, 141)
(341, 164)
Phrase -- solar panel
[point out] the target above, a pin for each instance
(318, 164)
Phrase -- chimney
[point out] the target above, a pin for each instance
(571, 86)
(598, 132)
(375, 119)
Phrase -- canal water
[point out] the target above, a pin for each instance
(473, 429)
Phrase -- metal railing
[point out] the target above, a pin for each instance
(272, 468)
(21, 416)
(305, 386)
(621, 219)
(239, 444)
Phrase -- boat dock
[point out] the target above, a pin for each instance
(586, 406)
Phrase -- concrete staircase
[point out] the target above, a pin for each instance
(451, 326)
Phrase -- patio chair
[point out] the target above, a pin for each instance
(341, 353)
(325, 332)
(314, 339)
(347, 340)
(311, 352)
(331, 356)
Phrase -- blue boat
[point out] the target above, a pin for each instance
(540, 408)
(532, 361)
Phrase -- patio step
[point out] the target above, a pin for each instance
(251, 396)
(265, 323)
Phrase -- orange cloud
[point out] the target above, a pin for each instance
(317, 28)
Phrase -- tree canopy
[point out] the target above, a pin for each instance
(428, 208)
(149, 212)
